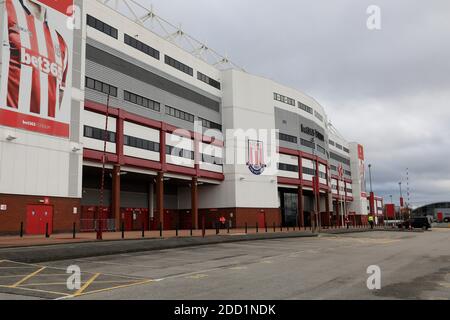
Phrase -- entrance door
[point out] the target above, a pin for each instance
(261, 219)
(38, 216)
(289, 209)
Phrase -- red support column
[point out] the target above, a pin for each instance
(120, 137)
(160, 196)
(194, 202)
(115, 204)
(317, 187)
(162, 147)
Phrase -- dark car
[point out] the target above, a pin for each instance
(416, 223)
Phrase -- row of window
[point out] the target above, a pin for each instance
(212, 159)
(309, 171)
(337, 145)
(101, 87)
(133, 42)
(147, 103)
(321, 149)
(178, 152)
(287, 138)
(307, 143)
(284, 99)
(210, 125)
(102, 27)
(99, 134)
(287, 167)
(339, 158)
(208, 80)
(142, 101)
(305, 108)
(139, 45)
(178, 65)
(141, 143)
(179, 114)
(318, 116)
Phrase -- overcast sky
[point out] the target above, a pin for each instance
(387, 89)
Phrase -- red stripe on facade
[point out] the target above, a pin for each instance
(14, 62)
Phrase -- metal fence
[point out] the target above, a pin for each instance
(90, 225)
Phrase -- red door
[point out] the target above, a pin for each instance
(261, 219)
(38, 216)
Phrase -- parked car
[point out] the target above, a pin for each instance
(417, 223)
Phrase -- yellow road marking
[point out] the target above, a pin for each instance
(112, 288)
(86, 285)
(64, 283)
(18, 283)
(36, 290)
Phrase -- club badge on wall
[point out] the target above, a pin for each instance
(255, 156)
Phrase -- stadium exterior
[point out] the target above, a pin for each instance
(159, 166)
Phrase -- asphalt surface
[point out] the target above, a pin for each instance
(413, 266)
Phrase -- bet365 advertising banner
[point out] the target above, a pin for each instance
(36, 70)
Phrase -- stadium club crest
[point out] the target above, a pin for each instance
(255, 157)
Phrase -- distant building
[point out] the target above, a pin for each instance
(440, 211)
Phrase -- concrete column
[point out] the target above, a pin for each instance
(160, 196)
(301, 213)
(194, 202)
(115, 203)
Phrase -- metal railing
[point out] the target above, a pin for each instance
(90, 225)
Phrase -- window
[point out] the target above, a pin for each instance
(305, 108)
(287, 138)
(140, 143)
(284, 99)
(308, 143)
(142, 101)
(332, 143)
(339, 146)
(309, 171)
(346, 150)
(339, 158)
(101, 87)
(321, 149)
(333, 168)
(99, 134)
(318, 116)
(177, 152)
(212, 159)
(178, 65)
(287, 167)
(208, 80)
(102, 27)
(210, 125)
(179, 114)
(322, 175)
(348, 173)
(133, 42)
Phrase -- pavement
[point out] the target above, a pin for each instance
(414, 265)
(59, 247)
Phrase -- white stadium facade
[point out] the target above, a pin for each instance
(187, 141)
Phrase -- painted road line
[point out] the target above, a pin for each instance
(64, 283)
(86, 285)
(106, 289)
(31, 275)
(36, 290)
